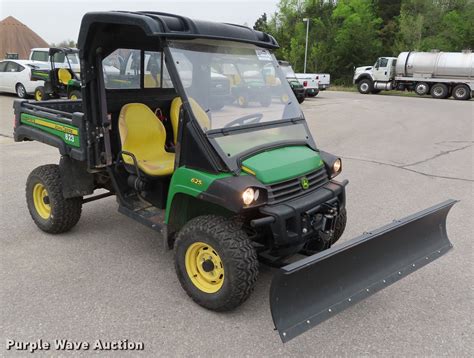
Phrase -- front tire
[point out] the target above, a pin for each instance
(422, 88)
(40, 94)
(48, 208)
(365, 86)
(215, 262)
(439, 91)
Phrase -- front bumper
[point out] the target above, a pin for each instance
(288, 221)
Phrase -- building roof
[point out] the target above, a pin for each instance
(16, 37)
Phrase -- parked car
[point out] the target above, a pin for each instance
(15, 77)
(310, 83)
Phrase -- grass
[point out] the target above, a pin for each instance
(342, 88)
(384, 93)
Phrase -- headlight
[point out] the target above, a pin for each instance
(336, 167)
(250, 195)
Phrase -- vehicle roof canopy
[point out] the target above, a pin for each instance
(99, 28)
(66, 50)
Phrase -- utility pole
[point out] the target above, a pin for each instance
(306, 47)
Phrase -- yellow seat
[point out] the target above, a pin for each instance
(201, 116)
(143, 135)
(64, 76)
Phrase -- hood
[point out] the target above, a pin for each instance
(363, 69)
(276, 165)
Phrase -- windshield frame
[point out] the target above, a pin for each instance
(234, 162)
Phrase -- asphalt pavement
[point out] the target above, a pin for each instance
(111, 279)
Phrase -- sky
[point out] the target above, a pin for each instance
(58, 20)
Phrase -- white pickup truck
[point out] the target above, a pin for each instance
(309, 82)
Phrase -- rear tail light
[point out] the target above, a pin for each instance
(305, 83)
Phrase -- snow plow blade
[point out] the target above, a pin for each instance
(312, 290)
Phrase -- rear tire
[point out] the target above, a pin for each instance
(21, 91)
(461, 92)
(224, 247)
(439, 91)
(422, 88)
(365, 86)
(74, 95)
(48, 208)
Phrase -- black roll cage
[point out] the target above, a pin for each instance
(103, 33)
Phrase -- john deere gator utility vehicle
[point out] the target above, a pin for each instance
(58, 81)
(228, 187)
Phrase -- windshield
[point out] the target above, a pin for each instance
(231, 84)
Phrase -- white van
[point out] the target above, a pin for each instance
(41, 56)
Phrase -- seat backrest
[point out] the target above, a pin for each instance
(64, 76)
(201, 116)
(141, 133)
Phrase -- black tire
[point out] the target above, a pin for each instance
(439, 91)
(21, 91)
(300, 99)
(75, 94)
(422, 88)
(40, 94)
(365, 86)
(64, 213)
(324, 241)
(461, 92)
(238, 256)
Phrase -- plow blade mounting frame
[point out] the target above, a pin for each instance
(309, 291)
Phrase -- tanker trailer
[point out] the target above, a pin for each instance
(440, 74)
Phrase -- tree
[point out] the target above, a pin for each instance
(65, 43)
(261, 23)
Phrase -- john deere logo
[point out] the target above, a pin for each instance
(304, 183)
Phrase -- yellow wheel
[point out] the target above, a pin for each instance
(75, 95)
(41, 201)
(39, 94)
(243, 101)
(49, 209)
(215, 262)
(204, 267)
(284, 98)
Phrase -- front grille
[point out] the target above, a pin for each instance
(292, 188)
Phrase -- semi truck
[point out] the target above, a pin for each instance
(441, 74)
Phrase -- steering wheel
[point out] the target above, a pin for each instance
(250, 119)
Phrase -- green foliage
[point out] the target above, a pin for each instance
(348, 33)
